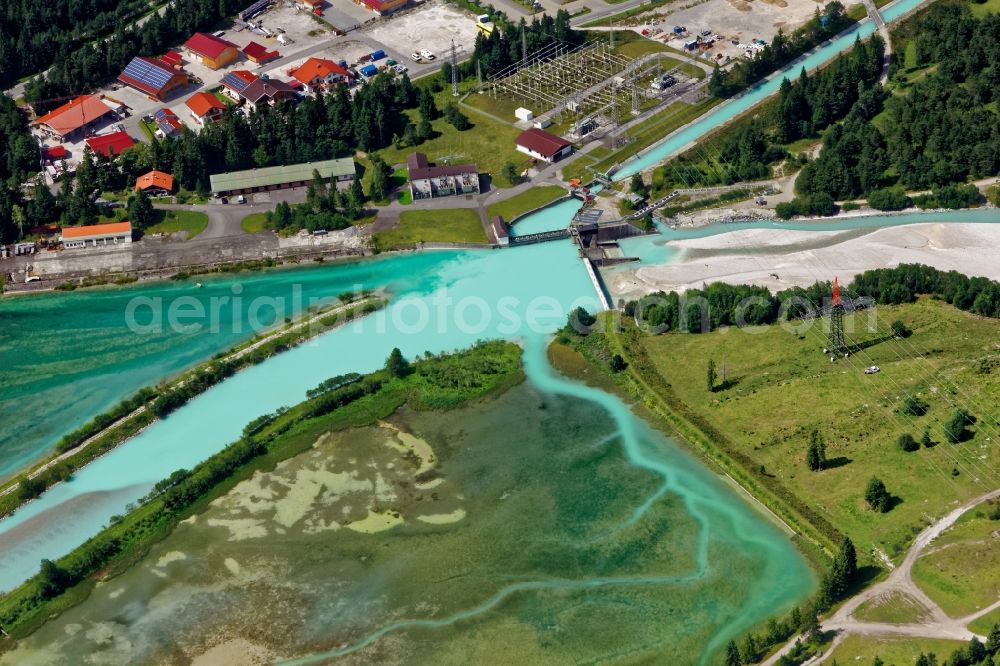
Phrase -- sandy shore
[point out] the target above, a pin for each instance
(800, 258)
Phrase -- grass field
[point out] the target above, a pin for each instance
(780, 387)
(983, 625)
(862, 650)
(456, 225)
(254, 223)
(961, 569)
(488, 143)
(173, 221)
(896, 608)
(988, 7)
(524, 202)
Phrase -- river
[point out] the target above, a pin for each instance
(66, 356)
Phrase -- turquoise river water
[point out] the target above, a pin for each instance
(64, 357)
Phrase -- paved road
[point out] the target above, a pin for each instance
(224, 219)
(900, 581)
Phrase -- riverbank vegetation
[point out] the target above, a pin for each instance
(124, 420)
(430, 382)
(936, 130)
(748, 148)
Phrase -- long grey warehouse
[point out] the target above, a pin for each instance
(281, 177)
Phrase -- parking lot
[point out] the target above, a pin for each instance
(740, 21)
(431, 26)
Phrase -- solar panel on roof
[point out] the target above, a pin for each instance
(236, 83)
(147, 73)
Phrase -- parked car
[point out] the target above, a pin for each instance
(427, 55)
(872, 369)
(400, 69)
(242, 199)
(415, 57)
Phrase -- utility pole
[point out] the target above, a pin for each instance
(611, 22)
(524, 45)
(454, 70)
(479, 74)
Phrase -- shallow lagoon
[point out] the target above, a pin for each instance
(547, 518)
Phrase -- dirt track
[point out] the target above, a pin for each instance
(900, 581)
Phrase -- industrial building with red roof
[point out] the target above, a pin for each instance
(213, 52)
(78, 115)
(542, 145)
(111, 144)
(97, 235)
(153, 76)
(258, 53)
(383, 7)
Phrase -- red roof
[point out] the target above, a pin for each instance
(97, 230)
(206, 45)
(244, 75)
(55, 153)
(202, 103)
(75, 114)
(157, 179)
(258, 52)
(317, 67)
(541, 142)
(172, 58)
(105, 144)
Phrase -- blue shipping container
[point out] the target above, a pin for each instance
(378, 55)
(369, 70)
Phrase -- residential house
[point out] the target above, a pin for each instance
(427, 182)
(267, 91)
(155, 183)
(205, 107)
(236, 81)
(167, 123)
(317, 74)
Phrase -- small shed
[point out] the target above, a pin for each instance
(524, 114)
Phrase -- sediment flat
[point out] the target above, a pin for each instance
(800, 258)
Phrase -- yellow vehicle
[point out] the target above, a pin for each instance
(485, 25)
